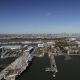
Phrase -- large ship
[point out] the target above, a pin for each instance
(18, 66)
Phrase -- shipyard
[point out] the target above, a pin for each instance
(39, 39)
(25, 50)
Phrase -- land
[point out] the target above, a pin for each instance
(27, 46)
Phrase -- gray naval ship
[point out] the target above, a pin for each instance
(18, 66)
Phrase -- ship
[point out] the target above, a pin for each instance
(18, 66)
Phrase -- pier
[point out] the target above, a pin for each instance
(25, 51)
(53, 67)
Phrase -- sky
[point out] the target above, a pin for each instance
(39, 16)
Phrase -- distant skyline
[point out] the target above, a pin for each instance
(39, 16)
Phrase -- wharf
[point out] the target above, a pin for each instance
(53, 67)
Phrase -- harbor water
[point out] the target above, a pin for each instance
(6, 61)
(67, 69)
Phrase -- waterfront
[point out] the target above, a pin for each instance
(37, 70)
(67, 69)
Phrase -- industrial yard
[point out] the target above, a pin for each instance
(24, 50)
(39, 39)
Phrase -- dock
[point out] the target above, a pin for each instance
(53, 67)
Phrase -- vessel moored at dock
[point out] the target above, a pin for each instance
(18, 66)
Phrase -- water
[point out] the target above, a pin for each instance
(5, 62)
(67, 69)
(37, 70)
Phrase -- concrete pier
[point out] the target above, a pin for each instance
(53, 67)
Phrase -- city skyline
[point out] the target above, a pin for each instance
(39, 16)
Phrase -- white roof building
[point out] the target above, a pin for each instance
(50, 43)
(72, 39)
(12, 46)
(40, 45)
